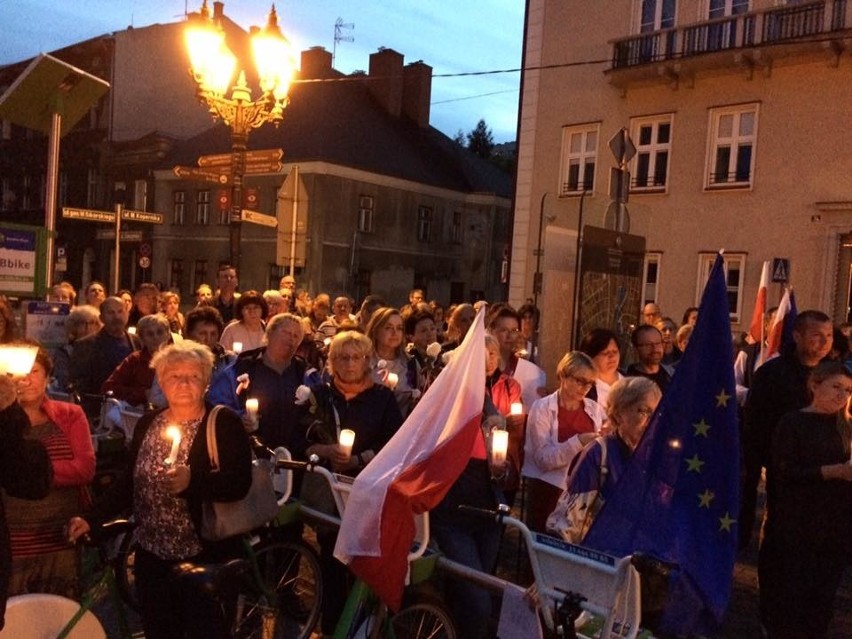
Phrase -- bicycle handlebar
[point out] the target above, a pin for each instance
(292, 464)
(497, 514)
(648, 564)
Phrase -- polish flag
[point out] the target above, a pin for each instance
(755, 331)
(782, 324)
(414, 471)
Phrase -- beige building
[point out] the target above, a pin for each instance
(739, 112)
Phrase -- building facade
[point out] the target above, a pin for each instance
(738, 113)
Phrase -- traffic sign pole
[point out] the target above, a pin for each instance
(117, 250)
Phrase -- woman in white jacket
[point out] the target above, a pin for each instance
(558, 428)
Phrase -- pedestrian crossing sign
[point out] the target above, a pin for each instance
(780, 270)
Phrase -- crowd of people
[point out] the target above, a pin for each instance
(313, 366)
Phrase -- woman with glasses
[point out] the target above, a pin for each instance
(632, 402)
(601, 344)
(806, 538)
(558, 427)
(353, 401)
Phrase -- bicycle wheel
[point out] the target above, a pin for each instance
(424, 618)
(291, 574)
(125, 570)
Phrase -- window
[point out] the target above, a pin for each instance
(140, 195)
(199, 273)
(579, 154)
(202, 207)
(733, 133)
(91, 187)
(656, 14)
(456, 229)
(175, 275)
(651, 278)
(722, 8)
(652, 137)
(178, 207)
(365, 214)
(734, 277)
(424, 224)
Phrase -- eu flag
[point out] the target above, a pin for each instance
(678, 497)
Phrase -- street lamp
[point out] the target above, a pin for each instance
(213, 66)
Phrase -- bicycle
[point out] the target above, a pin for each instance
(579, 592)
(44, 615)
(364, 615)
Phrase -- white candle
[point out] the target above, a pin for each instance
(237, 347)
(173, 432)
(252, 405)
(516, 409)
(346, 440)
(327, 341)
(499, 445)
(17, 361)
(392, 380)
(131, 330)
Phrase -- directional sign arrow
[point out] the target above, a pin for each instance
(258, 218)
(211, 175)
(263, 167)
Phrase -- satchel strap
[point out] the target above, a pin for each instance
(212, 446)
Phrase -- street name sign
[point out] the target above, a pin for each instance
(258, 218)
(255, 156)
(90, 215)
(218, 175)
(126, 236)
(142, 216)
(254, 168)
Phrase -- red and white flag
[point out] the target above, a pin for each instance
(784, 316)
(755, 330)
(414, 471)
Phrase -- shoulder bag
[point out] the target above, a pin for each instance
(222, 519)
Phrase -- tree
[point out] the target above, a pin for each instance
(458, 138)
(480, 140)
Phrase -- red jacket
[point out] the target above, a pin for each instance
(72, 421)
(131, 378)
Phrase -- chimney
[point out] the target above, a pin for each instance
(385, 79)
(218, 10)
(417, 92)
(316, 64)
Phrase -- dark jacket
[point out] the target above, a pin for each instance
(230, 483)
(93, 360)
(25, 472)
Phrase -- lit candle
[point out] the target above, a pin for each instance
(392, 380)
(327, 341)
(237, 347)
(17, 361)
(346, 440)
(173, 432)
(131, 330)
(516, 409)
(251, 408)
(499, 445)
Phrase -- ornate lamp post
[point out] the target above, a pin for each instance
(213, 66)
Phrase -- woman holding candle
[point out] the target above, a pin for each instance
(351, 402)
(166, 498)
(42, 561)
(250, 328)
(806, 540)
(389, 361)
(558, 428)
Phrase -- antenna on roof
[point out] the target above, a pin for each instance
(339, 26)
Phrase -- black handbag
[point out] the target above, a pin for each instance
(222, 519)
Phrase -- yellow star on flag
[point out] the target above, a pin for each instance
(705, 498)
(694, 464)
(701, 428)
(725, 522)
(722, 399)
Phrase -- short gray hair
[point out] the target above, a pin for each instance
(186, 351)
(276, 320)
(629, 392)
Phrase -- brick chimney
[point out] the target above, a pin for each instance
(417, 92)
(218, 10)
(316, 64)
(385, 79)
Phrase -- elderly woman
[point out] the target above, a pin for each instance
(601, 344)
(81, 321)
(275, 302)
(133, 378)
(632, 401)
(167, 498)
(389, 361)
(249, 329)
(351, 401)
(558, 428)
(42, 560)
(805, 546)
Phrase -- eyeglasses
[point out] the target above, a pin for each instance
(349, 358)
(582, 382)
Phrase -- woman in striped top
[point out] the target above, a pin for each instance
(42, 560)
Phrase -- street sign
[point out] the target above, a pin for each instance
(126, 236)
(780, 270)
(622, 147)
(211, 175)
(253, 168)
(90, 215)
(145, 250)
(142, 216)
(259, 218)
(256, 156)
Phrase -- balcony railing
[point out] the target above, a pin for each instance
(770, 26)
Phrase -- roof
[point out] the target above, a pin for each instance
(339, 121)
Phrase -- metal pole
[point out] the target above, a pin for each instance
(294, 225)
(239, 140)
(116, 278)
(50, 193)
(538, 277)
(575, 317)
